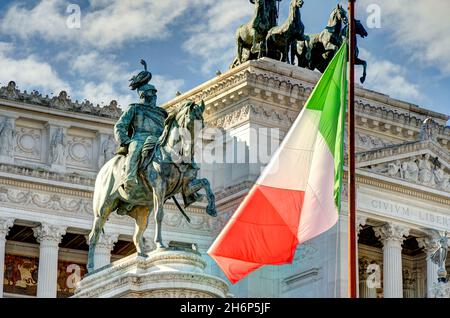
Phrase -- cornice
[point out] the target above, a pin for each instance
(46, 188)
(378, 155)
(284, 88)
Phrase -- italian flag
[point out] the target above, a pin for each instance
(297, 197)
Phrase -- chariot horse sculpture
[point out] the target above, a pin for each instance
(317, 50)
(279, 38)
(249, 36)
(166, 170)
(361, 31)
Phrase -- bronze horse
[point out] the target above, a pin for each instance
(317, 50)
(279, 38)
(163, 175)
(361, 31)
(250, 35)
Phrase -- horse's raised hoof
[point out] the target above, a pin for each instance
(362, 79)
(211, 210)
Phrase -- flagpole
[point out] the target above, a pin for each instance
(351, 155)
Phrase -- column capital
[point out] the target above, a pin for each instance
(49, 233)
(360, 222)
(429, 243)
(107, 240)
(391, 232)
(5, 225)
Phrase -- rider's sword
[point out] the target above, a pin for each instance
(181, 209)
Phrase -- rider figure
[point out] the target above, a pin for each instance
(141, 123)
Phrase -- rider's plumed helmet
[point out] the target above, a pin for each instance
(141, 79)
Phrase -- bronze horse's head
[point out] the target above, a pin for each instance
(189, 114)
(299, 3)
(359, 29)
(338, 14)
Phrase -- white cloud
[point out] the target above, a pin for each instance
(111, 24)
(389, 78)
(213, 41)
(104, 25)
(419, 28)
(102, 93)
(166, 87)
(29, 73)
(105, 79)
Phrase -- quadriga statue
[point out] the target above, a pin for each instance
(155, 162)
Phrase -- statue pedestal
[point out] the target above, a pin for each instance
(441, 290)
(166, 273)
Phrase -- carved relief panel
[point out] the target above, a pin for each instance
(422, 169)
(29, 143)
(20, 275)
(79, 151)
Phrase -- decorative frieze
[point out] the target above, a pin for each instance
(422, 169)
(45, 201)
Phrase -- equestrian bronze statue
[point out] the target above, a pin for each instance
(155, 162)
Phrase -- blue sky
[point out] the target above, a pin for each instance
(186, 41)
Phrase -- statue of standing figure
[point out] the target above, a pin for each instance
(428, 131)
(58, 147)
(439, 257)
(7, 135)
(107, 151)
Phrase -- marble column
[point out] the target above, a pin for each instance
(105, 244)
(5, 224)
(49, 236)
(392, 236)
(430, 245)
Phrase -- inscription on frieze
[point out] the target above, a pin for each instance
(419, 216)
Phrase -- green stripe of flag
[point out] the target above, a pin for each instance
(329, 97)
